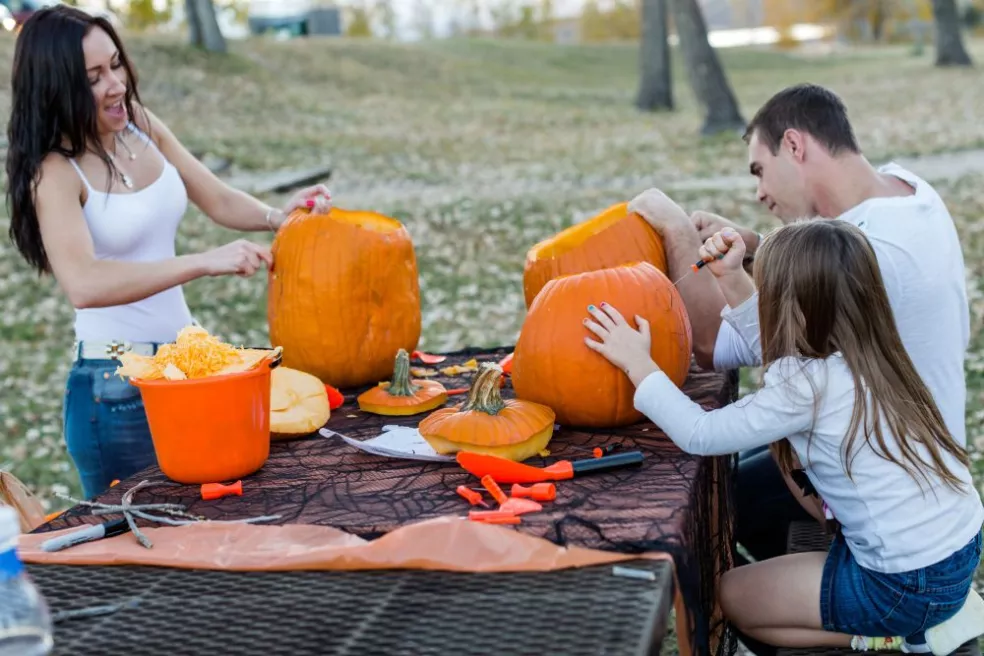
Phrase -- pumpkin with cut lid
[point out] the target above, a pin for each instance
(343, 295)
(487, 423)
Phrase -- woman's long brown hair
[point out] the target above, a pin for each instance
(821, 292)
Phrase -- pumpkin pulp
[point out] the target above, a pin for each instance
(403, 395)
(487, 423)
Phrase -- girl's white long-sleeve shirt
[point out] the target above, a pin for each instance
(890, 523)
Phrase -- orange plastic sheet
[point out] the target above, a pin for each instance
(444, 543)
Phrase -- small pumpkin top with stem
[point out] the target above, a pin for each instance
(487, 423)
(403, 395)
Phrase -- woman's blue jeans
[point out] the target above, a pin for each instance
(106, 429)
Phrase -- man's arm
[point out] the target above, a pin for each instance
(700, 292)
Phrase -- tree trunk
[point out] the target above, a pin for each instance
(194, 31)
(204, 26)
(656, 79)
(704, 70)
(950, 49)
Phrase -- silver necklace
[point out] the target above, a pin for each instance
(124, 178)
(133, 155)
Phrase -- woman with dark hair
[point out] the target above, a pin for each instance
(97, 186)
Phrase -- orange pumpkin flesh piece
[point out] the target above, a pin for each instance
(344, 295)
(486, 423)
(403, 395)
(552, 365)
(611, 238)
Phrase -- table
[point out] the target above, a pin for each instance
(572, 611)
(674, 503)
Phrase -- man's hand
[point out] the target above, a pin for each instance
(708, 224)
(658, 210)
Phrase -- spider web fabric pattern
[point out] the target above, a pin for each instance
(674, 502)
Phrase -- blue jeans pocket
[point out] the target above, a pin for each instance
(953, 575)
(106, 428)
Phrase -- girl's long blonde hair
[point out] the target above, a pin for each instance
(821, 292)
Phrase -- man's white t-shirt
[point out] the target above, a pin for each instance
(922, 265)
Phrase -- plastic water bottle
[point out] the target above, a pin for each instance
(25, 620)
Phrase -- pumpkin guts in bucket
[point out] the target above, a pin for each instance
(208, 406)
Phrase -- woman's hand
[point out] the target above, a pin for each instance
(240, 257)
(621, 344)
(317, 198)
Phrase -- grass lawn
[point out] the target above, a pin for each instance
(482, 148)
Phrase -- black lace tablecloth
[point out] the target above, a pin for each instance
(674, 502)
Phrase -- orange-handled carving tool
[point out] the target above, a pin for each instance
(489, 484)
(537, 492)
(493, 517)
(473, 497)
(520, 506)
(507, 471)
(218, 490)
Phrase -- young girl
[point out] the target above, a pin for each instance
(841, 396)
(97, 186)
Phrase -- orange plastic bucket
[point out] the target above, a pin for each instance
(212, 429)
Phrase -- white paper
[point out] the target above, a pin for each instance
(394, 442)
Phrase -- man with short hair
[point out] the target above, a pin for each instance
(803, 152)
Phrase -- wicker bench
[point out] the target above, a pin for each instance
(808, 536)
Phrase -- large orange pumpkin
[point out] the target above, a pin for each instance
(343, 295)
(611, 238)
(552, 365)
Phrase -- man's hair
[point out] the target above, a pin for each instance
(809, 108)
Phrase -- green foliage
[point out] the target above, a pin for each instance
(141, 14)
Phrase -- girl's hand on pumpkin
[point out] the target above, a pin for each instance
(724, 252)
(316, 198)
(240, 257)
(626, 347)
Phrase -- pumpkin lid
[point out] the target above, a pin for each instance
(572, 237)
(360, 218)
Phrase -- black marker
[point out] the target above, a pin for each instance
(87, 534)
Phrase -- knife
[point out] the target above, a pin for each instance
(503, 470)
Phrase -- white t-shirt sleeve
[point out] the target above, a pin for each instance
(782, 407)
(739, 341)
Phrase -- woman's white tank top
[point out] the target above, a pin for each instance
(137, 227)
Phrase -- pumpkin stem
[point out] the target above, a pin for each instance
(401, 385)
(484, 394)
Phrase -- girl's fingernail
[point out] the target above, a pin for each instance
(591, 307)
(310, 202)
